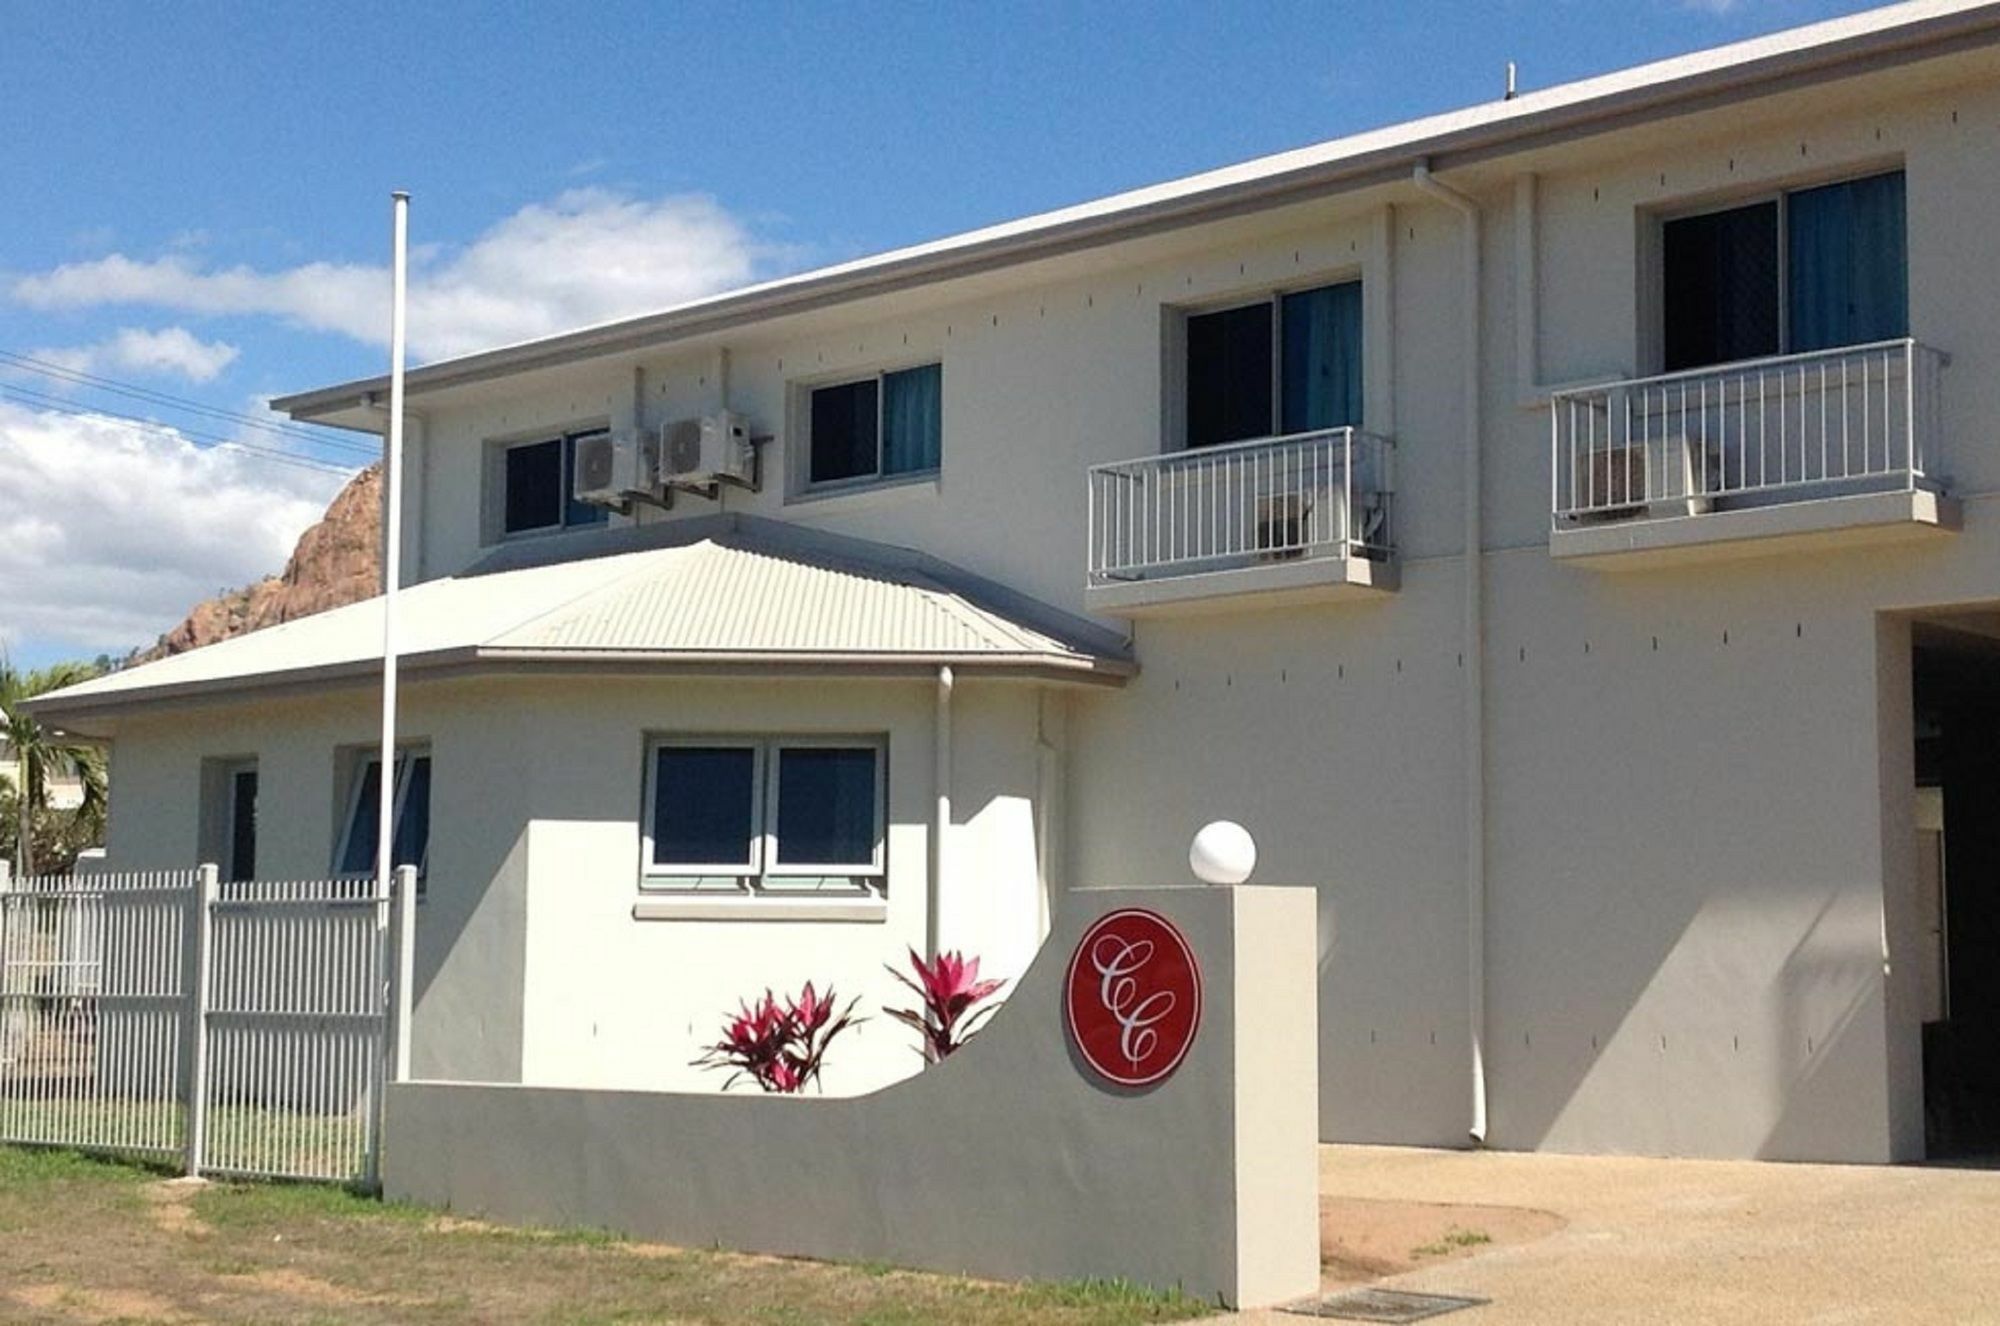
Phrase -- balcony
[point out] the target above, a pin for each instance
(1836, 448)
(1276, 520)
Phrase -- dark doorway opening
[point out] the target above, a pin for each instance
(1957, 680)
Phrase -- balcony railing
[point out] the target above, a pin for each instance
(1831, 423)
(1310, 495)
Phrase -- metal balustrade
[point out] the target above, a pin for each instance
(243, 1028)
(1792, 428)
(1309, 495)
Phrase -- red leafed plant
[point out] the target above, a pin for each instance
(780, 1044)
(949, 987)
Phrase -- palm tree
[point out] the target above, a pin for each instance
(41, 754)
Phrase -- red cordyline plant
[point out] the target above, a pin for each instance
(949, 987)
(780, 1044)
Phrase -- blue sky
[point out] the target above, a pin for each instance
(206, 199)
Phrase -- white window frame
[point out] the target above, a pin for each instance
(753, 862)
(1656, 354)
(877, 862)
(804, 484)
(761, 861)
(357, 779)
(1654, 327)
(1272, 298)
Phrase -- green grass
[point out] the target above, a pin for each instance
(326, 1146)
(1452, 1240)
(91, 1240)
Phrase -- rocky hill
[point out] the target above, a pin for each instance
(338, 561)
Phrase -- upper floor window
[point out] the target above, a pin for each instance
(880, 427)
(537, 479)
(1287, 364)
(1812, 269)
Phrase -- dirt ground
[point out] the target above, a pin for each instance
(1371, 1238)
(91, 1242)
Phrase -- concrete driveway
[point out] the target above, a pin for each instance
(1682, 1241)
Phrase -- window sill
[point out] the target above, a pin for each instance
(847, 910)
(867, 494)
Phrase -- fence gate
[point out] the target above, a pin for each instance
(239, 1029)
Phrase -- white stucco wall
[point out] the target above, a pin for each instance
(531, 963)
(1693, 808)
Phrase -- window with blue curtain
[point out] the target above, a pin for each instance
(1847, 272)
(1320, 372)
(1286, 364)
(878, 427)
(1732, 291)
(913, 420)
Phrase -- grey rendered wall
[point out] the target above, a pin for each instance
(471, 933)
(1007, 1160)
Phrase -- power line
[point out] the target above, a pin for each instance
(132, 390)
(43, 401)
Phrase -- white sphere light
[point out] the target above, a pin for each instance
(1222, 853)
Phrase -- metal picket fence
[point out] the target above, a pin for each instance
(242, 1029)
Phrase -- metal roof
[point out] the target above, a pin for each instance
(725, 593)
(1835, 48)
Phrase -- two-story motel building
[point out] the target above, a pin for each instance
(1562, 530)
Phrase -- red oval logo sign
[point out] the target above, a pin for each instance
(1133, 997)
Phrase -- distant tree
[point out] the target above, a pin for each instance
(41, 755)
(56, 837)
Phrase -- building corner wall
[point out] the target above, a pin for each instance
(1895, 735)
(1276, 1041)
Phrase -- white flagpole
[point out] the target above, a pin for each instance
(392, 551)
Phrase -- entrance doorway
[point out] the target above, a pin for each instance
(1957, 708)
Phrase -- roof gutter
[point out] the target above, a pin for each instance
(450, 664)
(1523, 129)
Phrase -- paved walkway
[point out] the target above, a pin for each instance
(1686, 1241)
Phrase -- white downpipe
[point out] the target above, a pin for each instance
(1049, 793)
(941, 826)
(1473, 630)
(392, 547)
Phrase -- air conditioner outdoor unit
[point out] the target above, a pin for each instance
(1661, 476)
(614, 468)
(1283, 525)
(699, 453)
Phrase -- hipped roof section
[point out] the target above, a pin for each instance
(1835, 48)
(722, 594)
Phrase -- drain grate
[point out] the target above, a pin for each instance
(1386, 1305)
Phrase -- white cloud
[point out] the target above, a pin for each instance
(169, 352)
(1712, 6)
(586, 256)
(110, 531)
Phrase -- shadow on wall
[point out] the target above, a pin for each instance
(1714, 1043)
(1830, 1060)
